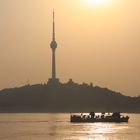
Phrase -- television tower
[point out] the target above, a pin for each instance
(53, 46)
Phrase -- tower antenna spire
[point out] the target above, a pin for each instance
(53, 25)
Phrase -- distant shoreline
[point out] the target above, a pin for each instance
(56, 112)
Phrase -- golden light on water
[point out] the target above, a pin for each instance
(103, 131)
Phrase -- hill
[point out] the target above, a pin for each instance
(68, 97)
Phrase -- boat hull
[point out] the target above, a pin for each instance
(78, 119)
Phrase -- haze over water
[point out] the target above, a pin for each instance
(58, 127)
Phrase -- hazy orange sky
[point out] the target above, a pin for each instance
(96, 43)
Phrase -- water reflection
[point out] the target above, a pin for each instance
(100, 131)
(106, 128)
(58, 127)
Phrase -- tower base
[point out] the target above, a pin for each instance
(53, 81)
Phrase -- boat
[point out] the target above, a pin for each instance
(103, 117)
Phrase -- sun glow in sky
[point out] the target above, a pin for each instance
(97, 2)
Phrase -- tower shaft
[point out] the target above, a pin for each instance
(53, 65)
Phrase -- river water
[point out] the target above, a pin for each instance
(44, 126)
